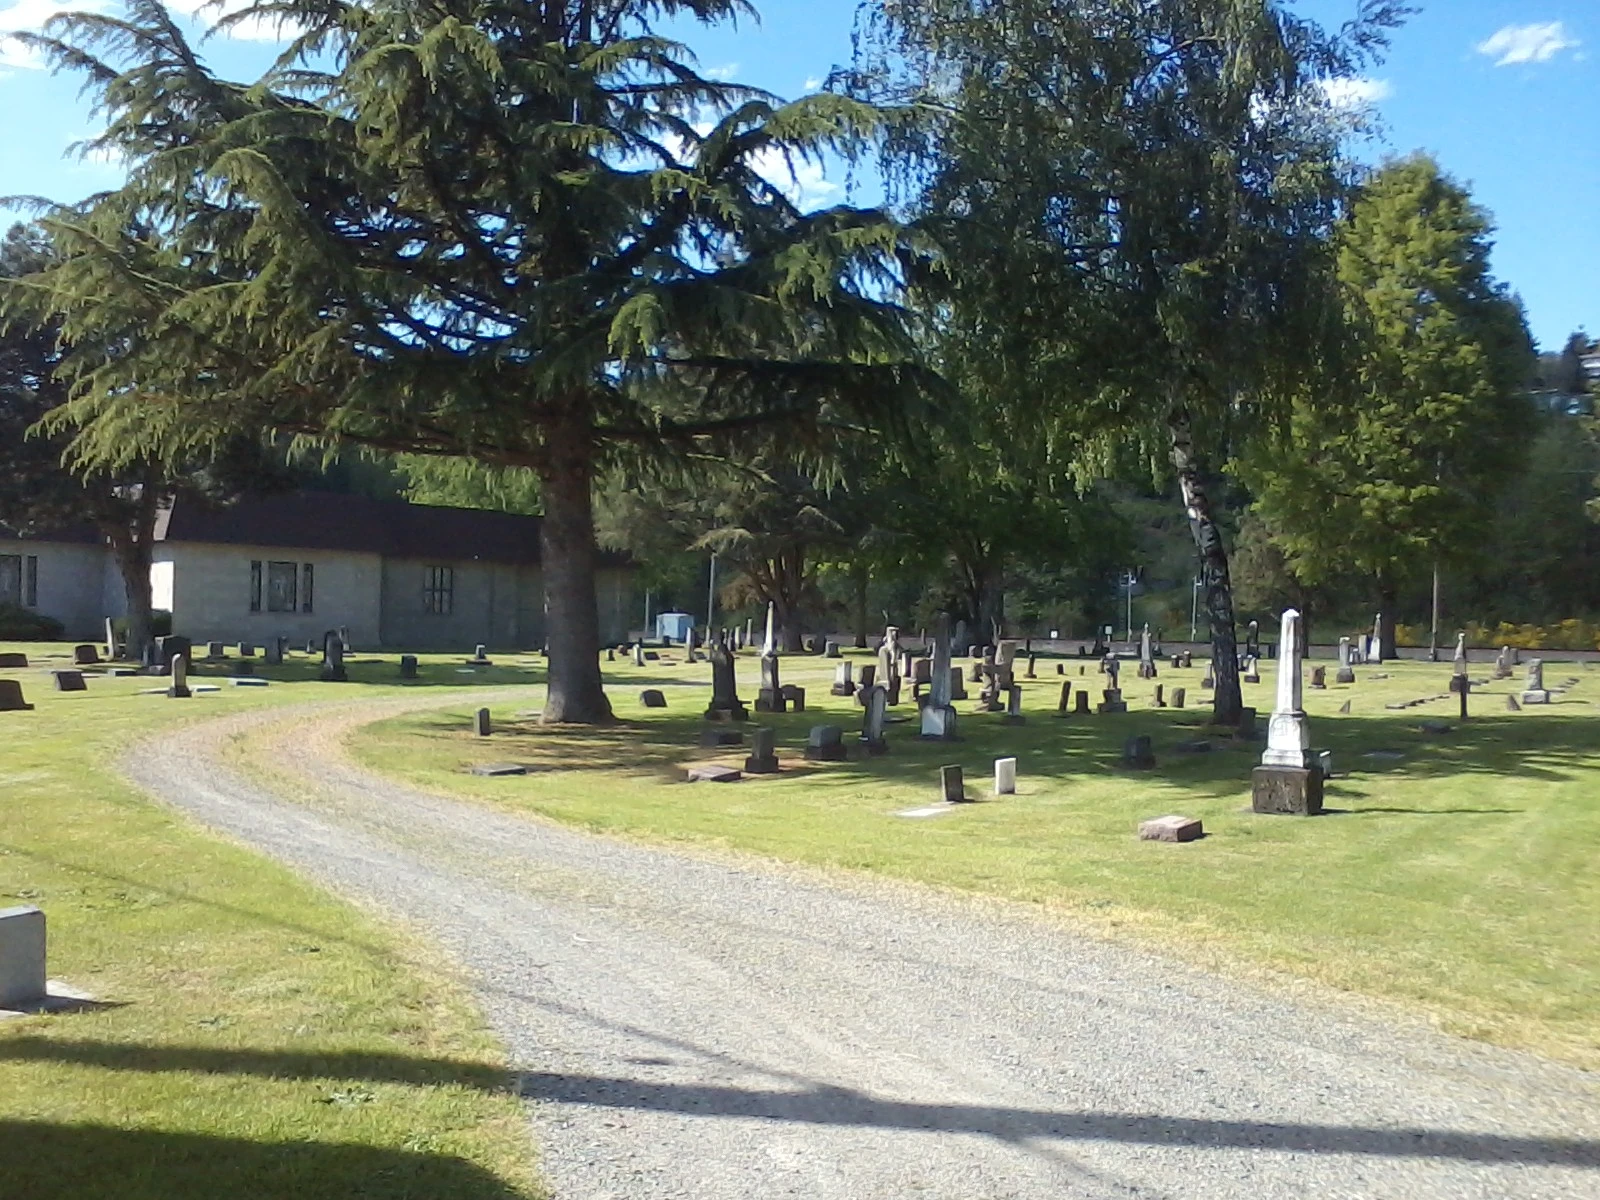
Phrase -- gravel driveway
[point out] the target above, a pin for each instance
(696, 1027)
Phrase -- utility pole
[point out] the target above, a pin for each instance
(1433, 638)
(1194, 608)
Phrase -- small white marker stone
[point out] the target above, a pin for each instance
(1005, 777)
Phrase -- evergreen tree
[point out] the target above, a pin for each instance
(1404, 472)
(531, 235)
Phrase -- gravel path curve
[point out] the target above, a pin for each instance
(687, 1026)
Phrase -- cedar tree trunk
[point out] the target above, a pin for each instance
(863, 577)
(566, 540)
(132, 540)
(1227, 700)
(1388, 601)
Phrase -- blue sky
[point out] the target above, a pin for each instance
(1505, 93)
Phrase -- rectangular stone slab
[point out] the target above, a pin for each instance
(22, 949)
(714, 773)
(1170, 829)
(69, 681)
(1291, 791)
(496, 769)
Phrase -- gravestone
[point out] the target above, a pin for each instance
(69, 681)
(274, 652)
(1147, 661)
(480, 723)
(611, 654)
(653, 698)
(85, 655)
(1161, 699)
(1005, 777)
(938, 717)
(1319, 678)
(480, 656)
(795, 697)
(22, 957)
(714, 737)
(725, 703)
(1533, 689)
(1014, 706)
(1344, 708)
(1502, 663)
(893, 691)
(763, 758)
(638, 654)
(499, 770)
(1210, 680)
(216, 650)
(889, 652)
(180, 679)
(1347, 672)
(12, 660)
(169, 647)
(867, 681)
(112, 649)
(1252, 640)
(843, 679)
(311, 646)
(958, 684)
(1111, 702)
(1458, 676)
(1512, 705)
(769, 698)
(1252, 670)
(831, 650)
(1082, 702)
(877, 710)
(825, 743)
(1171, 829)
(247, 650)
(11, 697)
(1287, 781)
(1179, 697)
(244, 666)
(951, 786)
(1061, 668)
(332, 670)
(408, 666)
(921, 672)
(1033, 664)
(1062, 705)
(713, 773)
(1138, 754)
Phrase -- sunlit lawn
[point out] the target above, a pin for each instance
(257, 1037)
(1454, 873)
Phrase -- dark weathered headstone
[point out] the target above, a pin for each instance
(1319, 678)
(825, 743)
(408, 666)
(951, 786)
(480, 723)
(1063, 706)
(872, 738)
(10, 660)
(247, 650)
(216, 650)
(244, 667)
(480, 657)
(1033, 663)
(725, 703)
(1180, 696)
(1014, 706)
(653, 698)
(1512, 705)
(611, 654)
(169, 647)
(1293, 791)
(714, 773)
(794, 696)
(958, 684)
(763, 758)
(1171, 829)
(1210, 681)
(273, 652)
(1112, 702)
(69, 681)
(769, 699)
(86, 655)
(831, 650)
(1138, 753)
(11, 697)
(1345, 708)
(1082, 704)
(1161, 696)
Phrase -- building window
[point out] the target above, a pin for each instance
(11, 579)
(281, 593)
(255, 585)
(30, 582)
(439, 591)
(305, 587)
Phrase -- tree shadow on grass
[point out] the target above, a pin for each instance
(43, 1160)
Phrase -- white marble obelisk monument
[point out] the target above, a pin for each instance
(1288, 732)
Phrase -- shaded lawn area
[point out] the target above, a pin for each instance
(243, 1010)
(1455, 873)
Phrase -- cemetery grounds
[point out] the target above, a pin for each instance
(255, 1035)
(1452, 877)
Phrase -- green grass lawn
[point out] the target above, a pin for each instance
(256, 1037)
(1455, 874)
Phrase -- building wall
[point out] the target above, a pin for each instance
(70, 584)
(486, 605)
(211, 594)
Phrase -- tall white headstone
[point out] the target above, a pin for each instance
(1288, 732)
(769, 645)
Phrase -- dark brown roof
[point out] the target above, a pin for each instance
(393, 528)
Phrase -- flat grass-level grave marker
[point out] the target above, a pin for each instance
(22, 957)
(714, 773)
(653, 698)
(497, 770)
(1171, 829)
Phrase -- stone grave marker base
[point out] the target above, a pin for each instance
(1290, 791)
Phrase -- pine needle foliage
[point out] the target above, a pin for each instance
(526, 233)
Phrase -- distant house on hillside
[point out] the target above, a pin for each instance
(394, 574)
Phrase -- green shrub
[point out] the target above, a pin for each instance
(24, 625)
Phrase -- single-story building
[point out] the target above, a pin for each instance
(394, 574)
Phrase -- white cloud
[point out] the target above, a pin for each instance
(30, 16)
(1516, 44)
(805, 182)
(723, 73)
(1355, 91)
(813, 82)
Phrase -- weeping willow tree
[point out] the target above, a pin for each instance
(527, 234)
